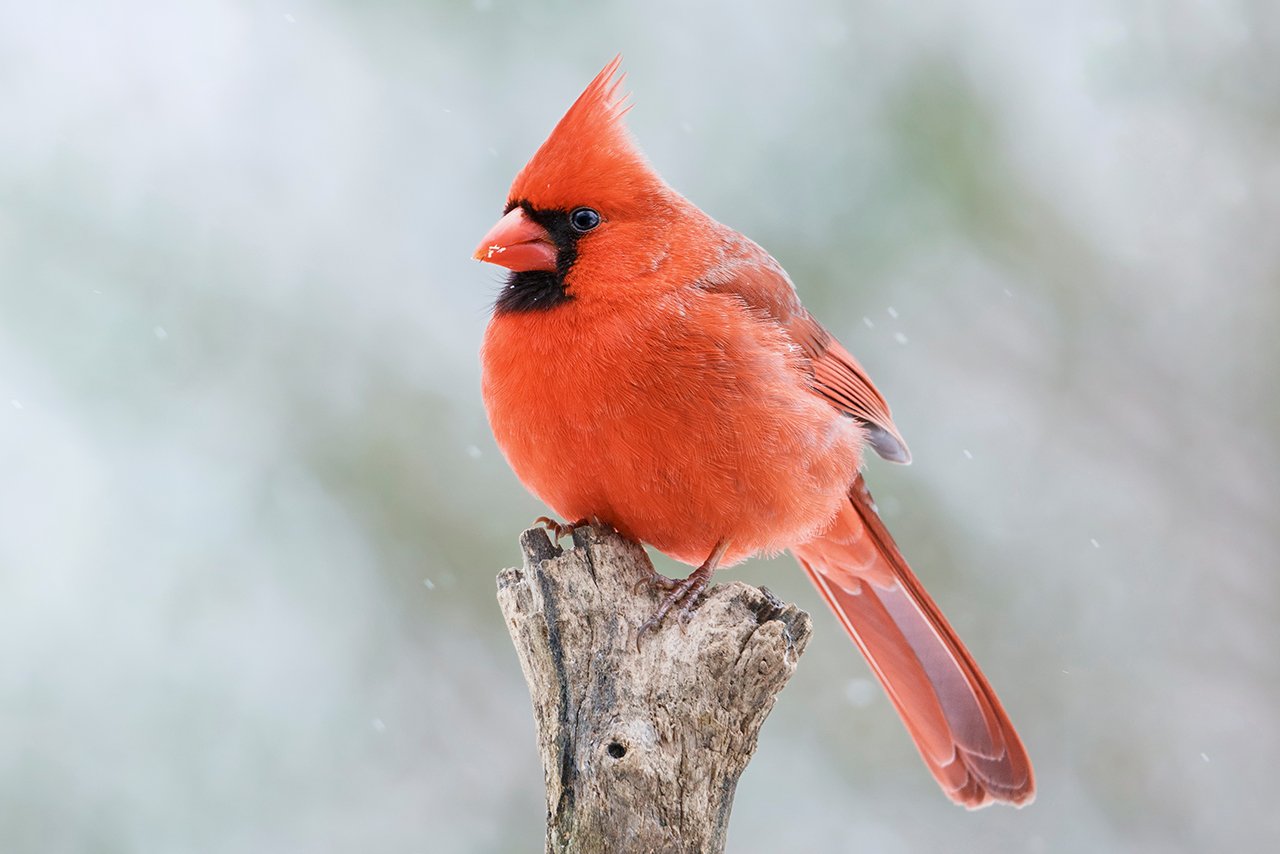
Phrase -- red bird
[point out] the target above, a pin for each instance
(699, 408)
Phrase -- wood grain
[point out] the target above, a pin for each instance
(642, 744)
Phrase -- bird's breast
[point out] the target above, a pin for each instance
(680, 422)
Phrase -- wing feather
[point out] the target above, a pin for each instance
(833, 372)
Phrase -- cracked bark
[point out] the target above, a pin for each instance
(641, 747)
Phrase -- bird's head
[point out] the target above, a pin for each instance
(587, 208)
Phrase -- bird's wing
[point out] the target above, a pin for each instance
(833, 371)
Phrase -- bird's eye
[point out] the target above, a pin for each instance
(583, 219)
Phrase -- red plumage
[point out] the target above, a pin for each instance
(696, 406)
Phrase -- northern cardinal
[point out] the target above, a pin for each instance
(696, 406)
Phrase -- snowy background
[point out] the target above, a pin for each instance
(251, 514)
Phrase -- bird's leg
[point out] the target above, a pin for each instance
(560, 530)
(683, 593)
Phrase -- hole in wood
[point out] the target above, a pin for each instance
(617, 751)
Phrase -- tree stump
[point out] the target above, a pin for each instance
(642, 744)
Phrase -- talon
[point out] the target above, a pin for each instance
(665, 584)
(645, 627)
(686, 615)
(683, 593)
(658, 580)
(560, 530)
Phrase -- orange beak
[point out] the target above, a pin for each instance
(518, 243)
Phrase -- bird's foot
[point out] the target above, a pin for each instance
(559, 530)
(658, 580)
(682, 593)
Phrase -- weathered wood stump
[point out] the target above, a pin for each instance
(642, 744)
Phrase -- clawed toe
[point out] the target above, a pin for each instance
(560, 530)
(658, 580)
(683, 594)
(686, 613)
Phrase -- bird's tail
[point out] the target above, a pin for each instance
(948, 706)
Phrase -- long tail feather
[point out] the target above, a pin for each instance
(948, 706)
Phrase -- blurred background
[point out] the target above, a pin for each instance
(251, 513)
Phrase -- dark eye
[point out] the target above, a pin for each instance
(583, 219)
